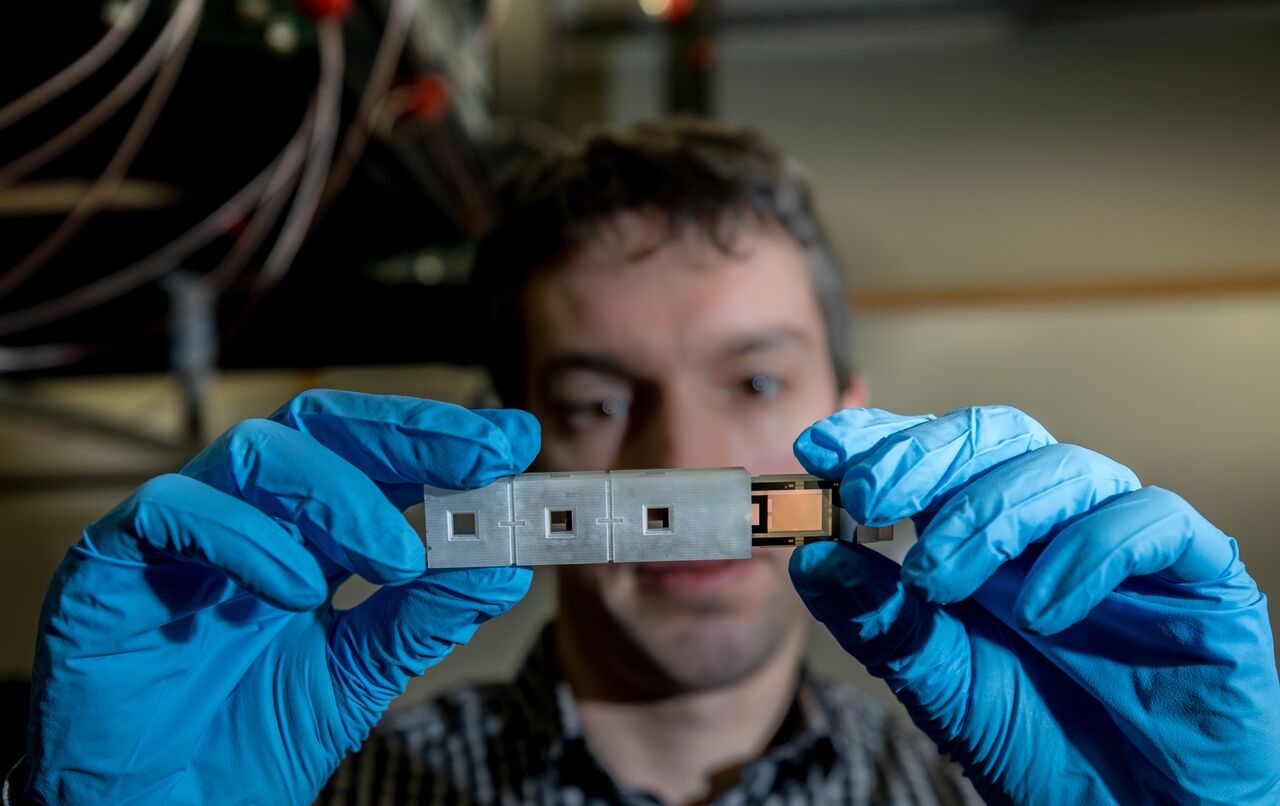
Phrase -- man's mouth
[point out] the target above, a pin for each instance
(692, 576)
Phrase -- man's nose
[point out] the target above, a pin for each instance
(682, 433)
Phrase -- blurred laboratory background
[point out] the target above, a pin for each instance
(1070, 206)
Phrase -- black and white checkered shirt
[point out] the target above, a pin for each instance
(522, 743)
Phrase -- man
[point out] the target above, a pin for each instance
(662, 297)
(688, 312)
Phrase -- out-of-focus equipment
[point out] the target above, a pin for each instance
(1065, 633)
(166, 167)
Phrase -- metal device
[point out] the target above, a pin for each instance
(633, 516)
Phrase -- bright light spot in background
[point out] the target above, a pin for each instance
(655, 8)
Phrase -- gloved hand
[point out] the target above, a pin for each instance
(188, 652)
(1066, 634)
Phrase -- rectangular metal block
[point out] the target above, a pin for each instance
(561, 518)
(490, 541)
(680, 514)
(633, 516)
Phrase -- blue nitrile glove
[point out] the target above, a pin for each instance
(187, 649)
(1066, 634)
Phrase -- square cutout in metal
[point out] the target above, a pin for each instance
(559, 522)
(462, 524)
(657, 519)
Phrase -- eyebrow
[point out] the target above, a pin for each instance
(766, 340)
(605, 365)
(586, 362)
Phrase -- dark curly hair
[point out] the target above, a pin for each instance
(696, 173)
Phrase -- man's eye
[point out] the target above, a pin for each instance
(761, 385)
(604, 408)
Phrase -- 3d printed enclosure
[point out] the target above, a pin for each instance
(632, 516)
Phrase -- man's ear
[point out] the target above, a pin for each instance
(856, 395)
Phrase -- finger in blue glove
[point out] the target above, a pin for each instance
(1062, 631)
(181, 650)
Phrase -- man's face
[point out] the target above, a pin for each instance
(682, 357)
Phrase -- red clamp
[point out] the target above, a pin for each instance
(325, 9)
(431, 97)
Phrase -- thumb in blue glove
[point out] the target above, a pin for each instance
(187, 652)
(1063, 632)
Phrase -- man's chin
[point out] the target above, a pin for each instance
(711, 650)
(708, 638)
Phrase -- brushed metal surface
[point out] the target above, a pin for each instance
(585, 495)
(707, 514)
(491, 545)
